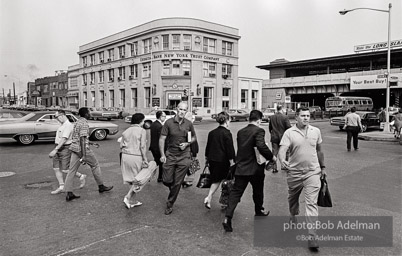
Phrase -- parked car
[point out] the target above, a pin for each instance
(196, 118)
(368, 119)
(267, 113)
(103, 113)
(151, 116)
(290, 113)
(42, 125)
(235, 115)
(315, 109)
(8, 114)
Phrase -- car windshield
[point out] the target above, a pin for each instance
(269, 110)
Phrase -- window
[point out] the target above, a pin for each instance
(209, 45)
(176, 67)
(254, 99)
(207, 97)
(122, 98)
(147, 45)
(225, 92)
(101, 76)
(146, 69)
(122, 51)
(102, 99)
(244, 97)
(186, 67)
(166, 68)
(147, 97)
(134, 99)
(187, 42)
(93, 99)
(165, 42)
(85, 99)
(134, 49)
(92, 77)
(111, 98)
(110, 54)
(111, 74)
(225, 105)
(84, 79)
(176, 42)
(92, 56)
(226, 71)
(227, 48)
(209, 69)
(84, 61)
(122, 73)
(101, 56)
(133, 71)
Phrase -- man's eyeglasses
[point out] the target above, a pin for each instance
(182, 109)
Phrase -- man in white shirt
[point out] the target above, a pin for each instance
(61, 154)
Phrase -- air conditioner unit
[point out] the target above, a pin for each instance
(211, 75)
(122, 56)
(119, 78)
(187, 48)
(131, 77)
(225, 76)
(109, 59)
(186, 73)
(111, 80)
(92, 82)
(101, 61)
(85, 64)
(85, 83)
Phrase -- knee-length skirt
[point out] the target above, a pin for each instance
(130, 167)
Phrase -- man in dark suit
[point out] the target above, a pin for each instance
(278, 124)
(156, 128)
(247, 169)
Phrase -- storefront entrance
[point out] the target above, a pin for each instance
(173, 99)
(173, 104)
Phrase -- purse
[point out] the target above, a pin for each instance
(324, 197)
(227, 185)
(194, 166)
(205, 179)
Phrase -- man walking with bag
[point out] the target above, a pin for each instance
(178, 133)
(304, 168)
(82, 154)
(247, 169)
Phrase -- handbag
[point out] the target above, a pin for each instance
(227, 185)
(260, 158)
(324, 197)
(205, 179)
(194, 166)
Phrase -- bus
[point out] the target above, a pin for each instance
(346, 102)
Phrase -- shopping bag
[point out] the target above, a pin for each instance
(260, 158)
(324, 197)
(227, 185)
(205, 178)
(144, 176)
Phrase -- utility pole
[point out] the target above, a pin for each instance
(14, 92)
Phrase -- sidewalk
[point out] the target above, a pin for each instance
(379, 136)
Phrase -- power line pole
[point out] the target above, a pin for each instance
(14, 92)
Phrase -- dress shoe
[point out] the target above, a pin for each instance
(168, 210)
(227, 225)
(207, 203)
(186, 184)
(82, 180)
(103, 188)
(348, 149)
(138, 203)
(312, 243)
(356, 148)
(262, 213)
(58, 190)
(70, 196)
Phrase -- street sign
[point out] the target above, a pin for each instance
(393, 79)
(287, 99)
(156, 102)
(381, 76)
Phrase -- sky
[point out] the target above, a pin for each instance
(38, 37)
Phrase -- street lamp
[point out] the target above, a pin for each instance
(386, 127)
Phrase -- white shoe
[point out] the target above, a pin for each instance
(58, 190)
(138, 203)
(82, 180)
(127, 203)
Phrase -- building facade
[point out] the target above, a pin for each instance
(249, 93)
(52, 90)
(310, 82)
(73, 90)
(158, 64)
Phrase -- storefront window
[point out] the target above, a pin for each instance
(208, 97)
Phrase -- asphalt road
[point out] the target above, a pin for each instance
(34, 222)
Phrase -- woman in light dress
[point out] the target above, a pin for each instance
(134, 158)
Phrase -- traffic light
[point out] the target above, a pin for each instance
(186, 92)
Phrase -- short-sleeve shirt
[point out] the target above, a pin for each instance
(177, 133)
(81, 129)
(302, 148)
(352, 119)
(65, 131)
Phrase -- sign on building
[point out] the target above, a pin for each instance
(197, 102)
(156, 102)
(378, 46)
(288, 99)
(374, 81)
(278, 96)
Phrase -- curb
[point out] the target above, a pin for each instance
(373, 138)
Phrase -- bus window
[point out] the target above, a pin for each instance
(350, 102)
(356, 102)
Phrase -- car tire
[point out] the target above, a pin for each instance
(232, 119)
(99, 134)
(109, 119)
(341, 128)
(26, 139)
(95, 118)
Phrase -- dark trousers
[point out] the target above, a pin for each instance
(240, 185)
(352, 132)
(174, 171)
(157, 158)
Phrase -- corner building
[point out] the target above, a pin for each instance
(160, 62)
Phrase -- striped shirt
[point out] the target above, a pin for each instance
(81, 129)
